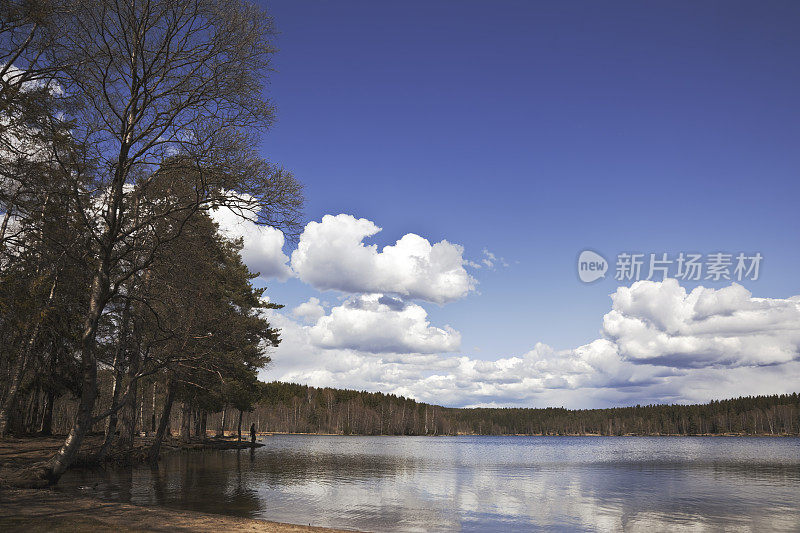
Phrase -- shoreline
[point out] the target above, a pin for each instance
(17, 454)
(743, 435)
(49, 509)
(40, 510)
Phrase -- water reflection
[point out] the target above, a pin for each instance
(479, 484)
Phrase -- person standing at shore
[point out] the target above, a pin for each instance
(253, 433)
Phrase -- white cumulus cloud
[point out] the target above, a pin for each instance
(381, 324)
(263, 245)
(661, 345)
(591, 375)
(659, 322)
(310, 311)
(331, 254)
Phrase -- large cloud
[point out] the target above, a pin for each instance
(263, 245)
(589, 376)
(660, 323)
(381, 324)
(541, 374)
(331, 254)
(635, 363)
(380, 344)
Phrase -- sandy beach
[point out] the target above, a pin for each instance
(51, 510)
(48, 510)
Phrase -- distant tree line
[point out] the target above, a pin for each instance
(289, 407)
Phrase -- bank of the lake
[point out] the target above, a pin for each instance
(34, 511)
(18, 454)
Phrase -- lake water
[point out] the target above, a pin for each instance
(479, 483)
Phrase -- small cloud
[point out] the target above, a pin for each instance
(382, 324)
(490, 260)
(310, 311)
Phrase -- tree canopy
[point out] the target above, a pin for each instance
(123, 125)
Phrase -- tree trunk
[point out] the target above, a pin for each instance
(128, 411)
(143, 426)
(155, 449)
(239, 428)
(58, 464)
(153, 416)
(46, 428)
(33, 412)
(111, 426)
(221, 432)
(21, 363)
(17, 373)
(127, 419)
(186, 421)
(6, 218)
(197, 423)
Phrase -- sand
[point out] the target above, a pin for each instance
(32, 510)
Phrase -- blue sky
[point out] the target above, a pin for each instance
(539, 129)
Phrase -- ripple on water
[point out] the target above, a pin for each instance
(479, 483)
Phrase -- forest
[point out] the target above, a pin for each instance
(289, 407)
(279, 407)
(123, 127)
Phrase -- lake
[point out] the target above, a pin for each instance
(479, 483)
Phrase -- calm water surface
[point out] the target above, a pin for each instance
(479, 483)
